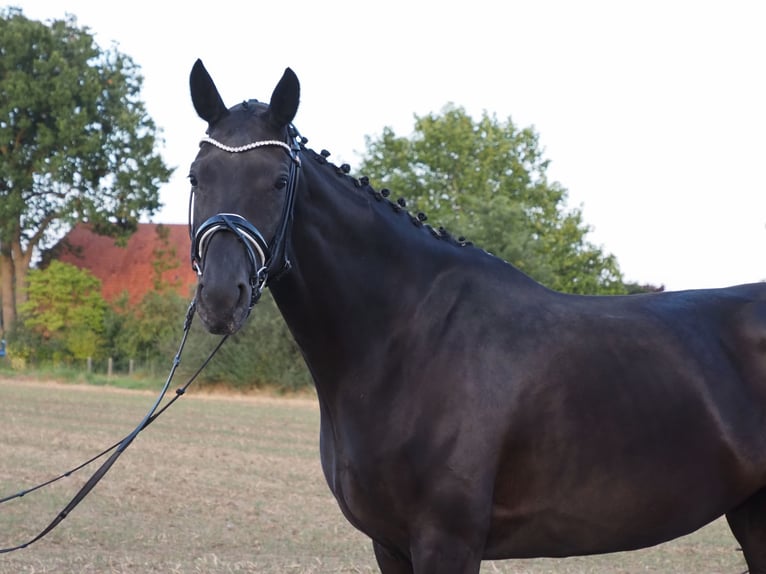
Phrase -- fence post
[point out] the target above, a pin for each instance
(109, 366)
(130, 367)
(90, 364)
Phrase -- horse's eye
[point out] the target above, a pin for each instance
(281, 182)
(193, 180)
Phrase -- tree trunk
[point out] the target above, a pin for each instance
(20, 260)
(7, 296)
(14, 266)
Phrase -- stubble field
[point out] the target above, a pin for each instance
(218, 484)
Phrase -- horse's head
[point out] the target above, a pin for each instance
(243, 182)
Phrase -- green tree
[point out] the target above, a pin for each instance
(65, 309)
(151, 331)
(262, 354)
(487, 180)
(76, 143)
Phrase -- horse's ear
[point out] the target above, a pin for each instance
(284, 100)
(205, 97)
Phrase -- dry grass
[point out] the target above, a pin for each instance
(217, 485)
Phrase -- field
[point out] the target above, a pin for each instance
(218, 484)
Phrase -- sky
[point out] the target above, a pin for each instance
(652, 113)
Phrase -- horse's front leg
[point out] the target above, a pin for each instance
(435, 551)
(449, 533)
(447, 536)
(432, 554)
(390, 561)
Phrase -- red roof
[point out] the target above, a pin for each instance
(133, 268)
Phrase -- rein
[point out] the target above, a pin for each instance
(118, 447)
(265, 261)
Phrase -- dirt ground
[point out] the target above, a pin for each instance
(218, 484)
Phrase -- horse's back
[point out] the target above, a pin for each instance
(637, 406)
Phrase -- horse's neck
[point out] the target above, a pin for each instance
(360, 271)
(353, 264)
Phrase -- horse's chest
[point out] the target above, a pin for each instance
(369, 494)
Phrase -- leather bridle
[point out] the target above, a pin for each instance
(265, 260)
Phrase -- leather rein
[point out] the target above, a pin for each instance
(118, 447)
(265, 261)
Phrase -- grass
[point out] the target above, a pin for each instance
(219, 484)
(80, 376)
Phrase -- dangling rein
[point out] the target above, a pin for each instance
(118, 447)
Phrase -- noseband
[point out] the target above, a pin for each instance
(265, 261)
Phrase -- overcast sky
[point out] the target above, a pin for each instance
(652, 113)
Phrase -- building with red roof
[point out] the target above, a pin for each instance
(155, 257)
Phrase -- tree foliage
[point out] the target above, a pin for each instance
(64, 313)
(76, 142)
(148, 332)
(262, 354)
(487, 180)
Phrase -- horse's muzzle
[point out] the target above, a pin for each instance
(228, 287)
(223, 309)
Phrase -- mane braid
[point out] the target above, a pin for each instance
(398, 206)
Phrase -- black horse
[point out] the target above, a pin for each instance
(467, 412)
